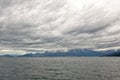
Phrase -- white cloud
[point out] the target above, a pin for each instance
(53, 24)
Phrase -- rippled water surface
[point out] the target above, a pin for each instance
(66, 68)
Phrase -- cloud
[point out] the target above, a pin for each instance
(34, 25)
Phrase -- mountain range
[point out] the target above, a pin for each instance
(69, 53)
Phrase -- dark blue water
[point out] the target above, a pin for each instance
(67, 68)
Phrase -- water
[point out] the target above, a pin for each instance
(66, 68)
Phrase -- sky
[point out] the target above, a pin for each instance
(38, 25)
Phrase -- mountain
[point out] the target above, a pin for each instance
(10, 55)
(111, 53)
(71, 53)
(6, 55)
(117, 54)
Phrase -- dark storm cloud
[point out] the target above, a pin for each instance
(35, 25)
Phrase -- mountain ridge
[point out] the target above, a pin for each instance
(69, 53)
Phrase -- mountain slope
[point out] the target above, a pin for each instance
(69, 53)
(72, 52)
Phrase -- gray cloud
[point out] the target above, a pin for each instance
(35, 25)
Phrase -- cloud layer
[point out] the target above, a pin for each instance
(35, 25)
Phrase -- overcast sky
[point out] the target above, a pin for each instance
(35, 25)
